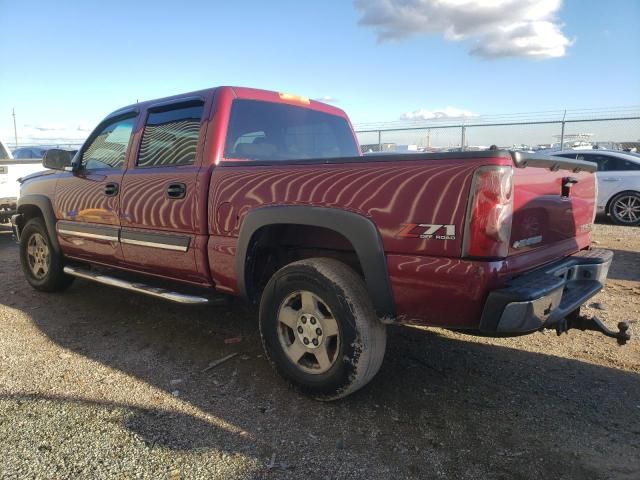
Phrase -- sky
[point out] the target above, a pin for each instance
(64, 65)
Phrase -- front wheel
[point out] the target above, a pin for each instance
(624, 208)
(41, 265)
(319, 328)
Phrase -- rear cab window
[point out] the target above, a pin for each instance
(268, 131)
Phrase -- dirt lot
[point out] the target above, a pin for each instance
(100, 383)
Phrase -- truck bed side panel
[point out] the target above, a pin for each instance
(391, 194)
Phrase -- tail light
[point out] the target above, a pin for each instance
(488, 224)
(595, 200)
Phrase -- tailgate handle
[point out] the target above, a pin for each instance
(566, 185)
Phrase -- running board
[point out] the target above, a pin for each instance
(139, 287)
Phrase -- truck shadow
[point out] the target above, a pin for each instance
(438, 400)
(625, 266)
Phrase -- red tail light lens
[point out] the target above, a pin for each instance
(489, 213)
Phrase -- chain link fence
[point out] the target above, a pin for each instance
(480, 133)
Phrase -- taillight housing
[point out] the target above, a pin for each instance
(487, 230)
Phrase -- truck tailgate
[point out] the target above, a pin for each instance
(554, 204)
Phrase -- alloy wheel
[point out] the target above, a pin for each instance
(308, 332)
(38, 256)
(626, 209)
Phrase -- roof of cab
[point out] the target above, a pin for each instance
(238, 92)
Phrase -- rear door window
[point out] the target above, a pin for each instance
(171, 136)
(272, 131)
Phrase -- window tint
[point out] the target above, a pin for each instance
(609, 163)
(109, 148)
(171, 137)
(272, 131)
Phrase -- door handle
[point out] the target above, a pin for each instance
(111, 189)
(176, 190)
(610, 179)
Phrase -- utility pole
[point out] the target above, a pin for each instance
(15, 130)
(562, 131)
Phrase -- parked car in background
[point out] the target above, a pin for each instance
(24, 153)
(7, 204)
(618, 182)
(27, 161)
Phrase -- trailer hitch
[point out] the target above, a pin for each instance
(582, 322)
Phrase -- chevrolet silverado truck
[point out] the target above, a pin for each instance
(262, 195)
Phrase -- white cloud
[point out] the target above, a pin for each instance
(448, 113)
(493, 28)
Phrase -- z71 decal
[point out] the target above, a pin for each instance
(428, 231)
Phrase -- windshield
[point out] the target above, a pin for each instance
(273, 131)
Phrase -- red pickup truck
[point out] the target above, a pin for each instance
(264, 195)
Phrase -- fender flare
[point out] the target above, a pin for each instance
(43, 203)
(357, 229)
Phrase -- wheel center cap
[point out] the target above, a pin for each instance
(309, 330)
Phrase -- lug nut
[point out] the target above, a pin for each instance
(300, 330)
(306, 341)
(313, 321)
(304, 319)
(315, 342)
(318, 332)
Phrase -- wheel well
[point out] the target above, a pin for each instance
(615, 195)
(274, 246)
(28, 212)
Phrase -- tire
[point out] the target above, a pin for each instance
(325, 302)
(41, 265)
(624, 208)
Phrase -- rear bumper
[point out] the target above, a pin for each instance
(546, 296)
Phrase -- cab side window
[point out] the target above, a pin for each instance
(171, 136)
(109, 148)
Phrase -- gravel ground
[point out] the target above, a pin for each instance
(100, 383)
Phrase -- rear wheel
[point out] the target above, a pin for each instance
(41, 265)
(319, 329)
(624, 208)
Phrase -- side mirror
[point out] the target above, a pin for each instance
(56, 159)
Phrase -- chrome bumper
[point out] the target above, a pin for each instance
(546, 296)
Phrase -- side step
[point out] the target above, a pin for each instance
(141, 288)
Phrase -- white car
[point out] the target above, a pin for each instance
(618, 182)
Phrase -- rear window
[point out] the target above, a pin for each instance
(273, 131)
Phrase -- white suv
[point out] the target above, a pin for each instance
(618, 182)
